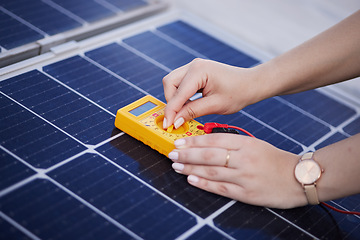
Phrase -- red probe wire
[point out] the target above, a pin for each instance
(208, 128)
(339, 210)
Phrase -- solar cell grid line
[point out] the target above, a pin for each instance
(123, 198)
(257, 129)
(351, 203)
(176, 42)
(242, 221)
(353, 127)
(116, 75)
(9, 229)
(205, 233)
(65, 11)
(287, 119)
(60, 106)
(41, 15)
(126, 5)
(200, 221)
(37, 142)
(206, 45)
(336, 137)
(334, 225)
(88, 11)
(40, 206)
(14, 33)
(12, 170)
(159, 49)
(93, 83)
(131, 67)
(155, 169)
(315, 103)
(146, 57)
(93, 208)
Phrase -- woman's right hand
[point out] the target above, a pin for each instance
(225, 89)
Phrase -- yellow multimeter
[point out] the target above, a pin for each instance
(143, 120)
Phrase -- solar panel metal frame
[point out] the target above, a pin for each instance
(74, 48)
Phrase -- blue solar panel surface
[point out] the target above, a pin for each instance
(25, 21)
(68, 173)
(41, 15)
(13, 33)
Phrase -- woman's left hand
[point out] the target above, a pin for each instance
(240, 167)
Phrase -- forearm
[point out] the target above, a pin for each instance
(330, 57)
(341, 164)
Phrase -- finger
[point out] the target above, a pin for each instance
(226, 189)
(172, 81)
(214, 173)
(201, 156)
(215, 140)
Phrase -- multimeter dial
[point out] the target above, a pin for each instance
(155, 121)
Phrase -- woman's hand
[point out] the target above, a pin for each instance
(225, 89)
(257, 173)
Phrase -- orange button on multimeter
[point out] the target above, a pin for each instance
(143, 120)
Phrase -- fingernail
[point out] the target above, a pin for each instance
(178, 167)
(179, 122)
(193, 179)
(179, 143)
(174, 155)
(164, 123)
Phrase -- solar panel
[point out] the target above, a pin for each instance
(13, 33)
(34, 26)
(88, 11)
(68, 173)
(41, 15)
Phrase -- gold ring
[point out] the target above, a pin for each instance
(227, 159)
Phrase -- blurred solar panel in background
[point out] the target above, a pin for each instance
(31, 27)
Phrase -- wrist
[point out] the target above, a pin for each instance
(267, 82)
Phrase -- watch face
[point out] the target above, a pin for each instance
(307, 171)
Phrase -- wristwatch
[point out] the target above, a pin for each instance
(307, 172)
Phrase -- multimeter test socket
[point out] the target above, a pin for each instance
(143, 120)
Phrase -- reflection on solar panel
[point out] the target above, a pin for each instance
(68, 173)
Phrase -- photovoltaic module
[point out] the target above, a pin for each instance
(68, 173)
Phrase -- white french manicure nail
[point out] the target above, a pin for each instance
(177, 166)
(179, 122)
(164, 123)
(179, 143)
(193, 179)
(174, 155)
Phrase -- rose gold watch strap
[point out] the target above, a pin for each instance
(307, 156)
(311, 194)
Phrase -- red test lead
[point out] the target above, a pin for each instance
(213, 127)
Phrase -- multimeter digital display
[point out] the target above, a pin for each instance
(143, 120)
(142, 108)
